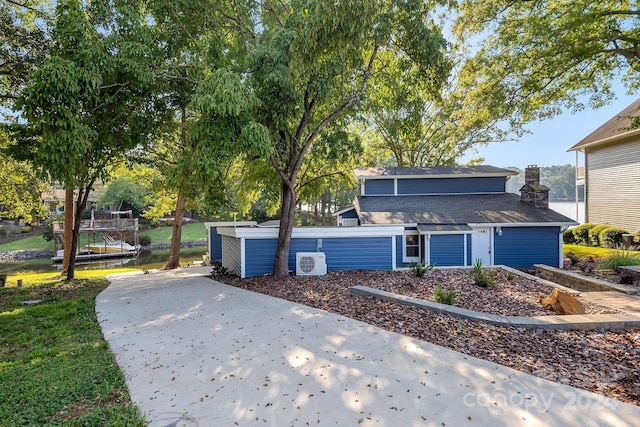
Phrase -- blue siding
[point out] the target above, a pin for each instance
(377, 187)
(451, 185)
(521, 247)
(348, 253)
(260, 255)
(215, 245)
(468, 237)
(399, 249)
(447, 250)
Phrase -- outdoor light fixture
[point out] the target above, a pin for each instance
(499, 231)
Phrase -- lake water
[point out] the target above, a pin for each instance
(569, 209)
(146, 260)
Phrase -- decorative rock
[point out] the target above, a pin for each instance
(562, 303)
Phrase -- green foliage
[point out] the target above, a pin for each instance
(568, 237)
(611, 237)
(442, 296)
(636, 237)
(55, 358)
(573, 258)
(581, 233)
(419, 269)
(618, 259)
(594, 234)
(539, 59)
(480, 276)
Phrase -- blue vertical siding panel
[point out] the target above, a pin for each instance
(521, 247)
(358, 253)
(378, 187)
(451, 185)
(260, 255)
(468, 254)
(215, 244)
(399, 252)
(348, 253)
(447, 250)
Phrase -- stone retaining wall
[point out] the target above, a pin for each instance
(577, 281)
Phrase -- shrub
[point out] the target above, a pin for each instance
(3, 231)
(618, 259)
(144, 240)
(568, 237)
(26, 229)
(636, 237)
(611, 237)
(480, 276)
(219, 271)
(419, 268)
(594, 234)
(581, 233)
(573, 258)
(442, 296)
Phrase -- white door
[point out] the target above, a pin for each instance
(481, 245)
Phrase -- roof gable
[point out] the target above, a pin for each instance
(432, 172)
(617, 126)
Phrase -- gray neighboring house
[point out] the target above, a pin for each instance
(611, 175)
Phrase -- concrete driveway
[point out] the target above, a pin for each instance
(196, 352)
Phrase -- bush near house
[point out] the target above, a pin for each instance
(568, 237)
(611, 237)
(636, 237)
(581, 233)
(594, 234)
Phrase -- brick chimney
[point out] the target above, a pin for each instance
(532, 192)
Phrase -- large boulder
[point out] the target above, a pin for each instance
(562, 303)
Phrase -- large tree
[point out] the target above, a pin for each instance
(92, 98)
(540, 58)
(313, 63)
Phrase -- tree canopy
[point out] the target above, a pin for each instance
(537, 59)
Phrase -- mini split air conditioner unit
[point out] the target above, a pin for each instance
(311, 264)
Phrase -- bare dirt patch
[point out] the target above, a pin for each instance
(604, 362)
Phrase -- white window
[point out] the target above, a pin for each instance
(411, 247)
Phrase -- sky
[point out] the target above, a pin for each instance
(549, 140)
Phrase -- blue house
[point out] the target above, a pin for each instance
(447, 216)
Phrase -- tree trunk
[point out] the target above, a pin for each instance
(287, 215)
(69, 209)
(79, 205)
(176, 236)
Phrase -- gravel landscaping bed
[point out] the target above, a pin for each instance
(607, 363)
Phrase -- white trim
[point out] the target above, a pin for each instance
(362, 190)
(520, 224)
(393, 253)
(464, 238)
(482, 193)
(395, 186)
(605, 141)
(406, 258)
(313, 232)
(341, 211)
(560, 253)
(425, 233)
(441, 175)
(427, 249)
(209, 225)
(243, 260)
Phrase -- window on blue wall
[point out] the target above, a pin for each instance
(411, 250)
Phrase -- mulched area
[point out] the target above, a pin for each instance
(604, 362)
(590, 267)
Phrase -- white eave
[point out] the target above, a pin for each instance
(606, 141)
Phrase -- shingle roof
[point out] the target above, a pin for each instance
(434, 170)
(617, 125)
(457, 209)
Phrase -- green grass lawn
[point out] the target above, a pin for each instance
(32, 243)
(585, 251)
(190, 232)
(55, 366)
(195, 231)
